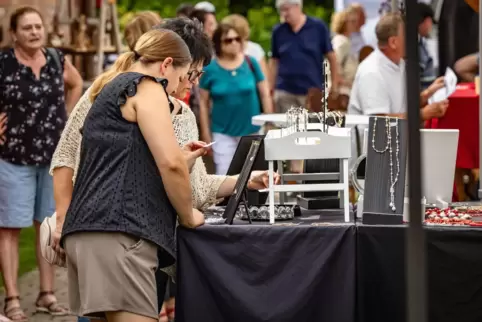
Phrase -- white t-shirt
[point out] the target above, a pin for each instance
(379, 87)
(254, 50)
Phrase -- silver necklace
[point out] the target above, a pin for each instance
(394, 179)
(388, 133)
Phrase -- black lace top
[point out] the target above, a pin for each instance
(35, 109)
(118, 186)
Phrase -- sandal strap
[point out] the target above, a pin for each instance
(15, 311)
(45, 293)
(11, 298)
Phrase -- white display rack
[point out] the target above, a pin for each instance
(287, 144)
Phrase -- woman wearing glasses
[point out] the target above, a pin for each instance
(236, 86)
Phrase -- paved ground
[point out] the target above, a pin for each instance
(29, 290)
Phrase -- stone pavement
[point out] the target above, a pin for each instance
(29, 289)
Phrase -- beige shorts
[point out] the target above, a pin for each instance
(111, 272)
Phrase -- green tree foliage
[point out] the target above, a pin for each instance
(262, 15)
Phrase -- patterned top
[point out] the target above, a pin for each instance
(119, 187)
(35, 109)
(204, 186)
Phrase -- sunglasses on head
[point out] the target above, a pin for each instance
(228, 41)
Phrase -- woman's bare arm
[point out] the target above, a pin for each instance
(265, 97)
(74, 84)
(64, 160)
(204, 115)
(154, 120)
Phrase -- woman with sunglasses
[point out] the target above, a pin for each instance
(236, 86)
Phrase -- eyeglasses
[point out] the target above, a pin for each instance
(194, 74)
(228, 41)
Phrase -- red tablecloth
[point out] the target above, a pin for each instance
(463, 114)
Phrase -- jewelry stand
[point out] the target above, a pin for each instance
(327, 171)
(383, 200)
(297, 142)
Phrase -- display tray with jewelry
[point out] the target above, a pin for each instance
(473, 208)
(261, 212)
(449, 217)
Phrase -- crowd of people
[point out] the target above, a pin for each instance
(122, 164)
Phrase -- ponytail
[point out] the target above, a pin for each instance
(121, 65)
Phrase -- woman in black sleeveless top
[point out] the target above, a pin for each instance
(131, 182)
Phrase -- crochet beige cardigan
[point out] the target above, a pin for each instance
(204, 186)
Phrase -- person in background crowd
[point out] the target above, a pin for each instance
(343, 24)
(299, 39)
(379, 86)
(208, 20)
(250, 48)
(236, 87)
(467, 67)
(427, 69)
(205, 6)
(357, 41)
(122, 212)
(184, 10)
(3, 128)
(38, 87)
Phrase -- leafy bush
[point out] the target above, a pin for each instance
(262, 17)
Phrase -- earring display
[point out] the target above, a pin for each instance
(385, 172)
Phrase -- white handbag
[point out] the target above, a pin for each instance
(47, 229)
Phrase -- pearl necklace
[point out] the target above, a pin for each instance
(389, 147)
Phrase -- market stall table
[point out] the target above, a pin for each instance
(239, 273)
(463, 114)
(454, 259)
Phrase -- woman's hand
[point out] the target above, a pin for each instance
(260, 180)
(192, 151)
(55, 239)
(3, 127)
(197, 219)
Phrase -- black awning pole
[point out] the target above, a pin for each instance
(480, 104)
(415, 237)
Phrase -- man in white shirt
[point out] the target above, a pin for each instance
(379, 86)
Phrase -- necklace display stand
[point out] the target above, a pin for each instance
(383, 200)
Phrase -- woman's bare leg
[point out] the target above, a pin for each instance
(9, 239)
(47, 298)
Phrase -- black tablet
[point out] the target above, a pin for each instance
(242, 182)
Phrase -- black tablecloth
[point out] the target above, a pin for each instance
(266, 273)
(454, 274)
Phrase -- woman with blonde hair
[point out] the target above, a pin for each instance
(343, 24)
(132, 182)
